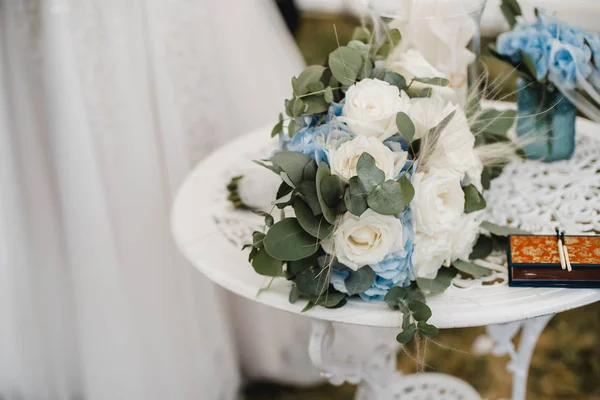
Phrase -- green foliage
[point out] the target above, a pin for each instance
(368, 173)
(440, 283)
(483, 248)
(345, 64)
(269, 221)
(499, 230)
(292, 163)
(474, 200)
(471, 269)
(387, 198)
(392, 39)
(315, 226)
(311, 281)
(332, 190)
(360, 280)
(405, 126)
(361, 34)
(294, 294)
(329, 213)
(310, 75)
(408, 191)
(511, 10)
(355, 197)
(411, 302)
(395, 79)
(307, 191)
(433, 81)
(287, 241)
(266, 265)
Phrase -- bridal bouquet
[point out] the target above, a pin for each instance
(381, 193)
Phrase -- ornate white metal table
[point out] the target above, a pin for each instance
(534, 195)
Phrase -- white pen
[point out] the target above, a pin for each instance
(561, 253)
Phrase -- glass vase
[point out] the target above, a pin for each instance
(445, 32)
(546, 121)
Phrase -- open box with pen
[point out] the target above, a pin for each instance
(554, 261)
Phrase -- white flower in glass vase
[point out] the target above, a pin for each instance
(430, 254)
(365, 240)
(344, 159)
(371, 106)
(439, 201)
(411, 64)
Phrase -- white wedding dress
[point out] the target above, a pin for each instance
(104, 107)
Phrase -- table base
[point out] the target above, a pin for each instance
(378, 378)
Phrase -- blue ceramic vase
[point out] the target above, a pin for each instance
(546, 119)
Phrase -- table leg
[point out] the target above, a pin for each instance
(375, 370)
(503, 335)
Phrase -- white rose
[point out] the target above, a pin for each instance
(371, 106)
(464, 235)
(430, 254)
(411, 64)
(439, 201)
(365, 240)
(344, 159)
(455, 148)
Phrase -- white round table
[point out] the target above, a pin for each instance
(536, 196)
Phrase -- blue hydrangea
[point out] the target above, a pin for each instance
(559, 51)
(535, 44)
(395, 270)
(314, 140)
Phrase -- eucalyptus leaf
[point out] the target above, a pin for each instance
(269, 221)
(309, 306)
(332, 190)
(307, 191)
(483, 248)
(405, 126)
(408, 190)
(345, 64)
(315, 104)
(330, 299)
(361, 34)
(311, 281)
(387, 199)
(529, 64)
(393, 36)
(328, 95)
(328, 212)
(499, 230)
(427, 330)
(511, 10)
(471, 269)
(266, 265)
(297, 107)
(474, 200)
(314, 87)
(284, 190)
(433, 81)
(294, 294)
(277, 129)
(406, 320)
(310, 75)
(292, 128)
(379, 73)
(316, 226)
(356, 197)
(310, 171)
(395, 79)
(420, 94)
(295, 267)
(359, 281)
(420, 311)
(407, 335)
(440, 283)
(287, 241)
(292, 163)
(399, 295)
(257, 239)
(284, 177)
(274, 168)
(368, 173)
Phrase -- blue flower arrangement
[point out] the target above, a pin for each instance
(557, 62)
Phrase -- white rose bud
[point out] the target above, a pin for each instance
(343, 160)
(430, 254)
(411, 64)
(464, 235)
(371, 106)
(365, 240)
(439, 201)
